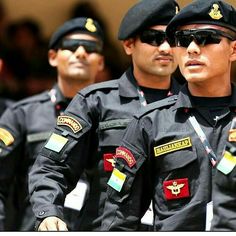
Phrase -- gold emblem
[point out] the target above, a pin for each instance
(215, 12)
(175, 188)
(232, 135)
(6, 137)
(90, 25)
(112, 161)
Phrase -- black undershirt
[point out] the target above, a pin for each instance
(153, 95)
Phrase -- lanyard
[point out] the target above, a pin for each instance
(210, 153)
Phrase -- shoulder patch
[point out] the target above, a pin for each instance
(70, 122)
(125, 154)
(6, 137)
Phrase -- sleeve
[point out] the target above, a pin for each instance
(62, 159)
(11, 138)
(126, 202)
(224, 197)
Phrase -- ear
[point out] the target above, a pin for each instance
(128, 45)
(101, 63)
(233, 52)
(52, 57)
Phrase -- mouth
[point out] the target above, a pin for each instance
(193, 63)
(164, 59)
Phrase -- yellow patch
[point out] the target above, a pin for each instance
(215, 12)
(90, 25)
(6, 137)
(172, 146)
(70, 122)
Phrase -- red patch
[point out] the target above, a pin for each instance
(108, 161)
(125, 154)
(176, 188)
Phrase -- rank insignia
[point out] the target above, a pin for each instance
(125, 154)
(232, 135)
(215, 12)
(175, 189)
(116, 180)
(6, 137)
(56, 142)
(108, 162)
(68, 121)
(172, 146)
(90, 25)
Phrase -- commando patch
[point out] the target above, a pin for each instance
(172, 146)
(6, 137)
(72, 123)
(125, 154)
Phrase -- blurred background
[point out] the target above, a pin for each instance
(26, 26)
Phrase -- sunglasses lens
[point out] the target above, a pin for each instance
(153, 37)
(200, 37)
(89, 45)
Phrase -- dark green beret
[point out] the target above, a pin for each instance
(80, 25)
(146, 13)
(204, 12)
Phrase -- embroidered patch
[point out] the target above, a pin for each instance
(117, 180)
(108, 162)
(232, 135)
(125, 154)
(6, 137)
(227, 163)
(172, 146)
(70, 122)
(56, 142)
(176, 188)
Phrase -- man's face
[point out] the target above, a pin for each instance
(210, 60)
(148, 59)
(75, 61)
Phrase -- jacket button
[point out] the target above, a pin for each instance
(41, 213)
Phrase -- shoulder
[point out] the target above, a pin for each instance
(157, 106)
(100, 87)
(39, 98)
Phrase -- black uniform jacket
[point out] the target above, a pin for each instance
(25, 127)
(162, 158)
(84, 139)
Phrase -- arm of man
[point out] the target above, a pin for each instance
(128, 195)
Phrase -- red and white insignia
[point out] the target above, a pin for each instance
(125, 154)
(175, 189)
(108, 162)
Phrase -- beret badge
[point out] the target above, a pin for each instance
(90, 25)
(215, 12)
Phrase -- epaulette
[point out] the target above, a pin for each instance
(32, 99)
(163, 103)
(111, 84)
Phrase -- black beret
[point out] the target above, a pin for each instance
(214, 12)
(79, 24)
(146, 13)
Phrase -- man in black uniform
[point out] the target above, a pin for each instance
(75, 50)
(169, 152)
(86, 137)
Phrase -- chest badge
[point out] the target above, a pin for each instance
(174, 189)
(172, 146)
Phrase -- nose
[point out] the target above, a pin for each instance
(80, 52)
(165, 47)
(193, 48)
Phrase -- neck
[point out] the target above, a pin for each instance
(209, 90)
(69, 88)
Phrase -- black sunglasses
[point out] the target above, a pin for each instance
(153, 37)
(201, 37)
(89, 45)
